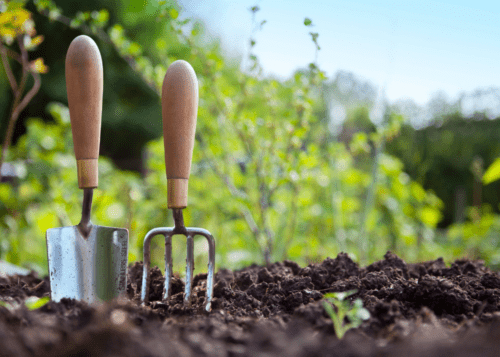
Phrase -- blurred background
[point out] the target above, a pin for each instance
(322, 127)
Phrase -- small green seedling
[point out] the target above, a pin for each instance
(355, 313)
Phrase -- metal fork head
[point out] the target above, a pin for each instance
(190, 233)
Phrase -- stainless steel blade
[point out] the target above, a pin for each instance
(91, 269)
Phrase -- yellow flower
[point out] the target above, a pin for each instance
(15, 22)
(38, 66)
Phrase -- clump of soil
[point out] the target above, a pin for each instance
(416, 309)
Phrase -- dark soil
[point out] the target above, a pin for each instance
(425, 309)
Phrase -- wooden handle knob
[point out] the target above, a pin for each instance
(179, 100)
(84, 84)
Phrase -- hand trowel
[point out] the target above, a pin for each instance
(86, 262)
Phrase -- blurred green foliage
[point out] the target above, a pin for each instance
(268, 178)
(440, 157)
(492, 174)
(479, 237)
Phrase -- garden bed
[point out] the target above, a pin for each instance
(426, 309)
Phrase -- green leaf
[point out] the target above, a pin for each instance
(430, 216)
(492, 173)
(134, 49)
(33, 303)
(75, 23)
(329, 309)
(307, 21)
(173, 13)
(102, 17)
(41, 4)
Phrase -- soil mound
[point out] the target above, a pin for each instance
(420, 309)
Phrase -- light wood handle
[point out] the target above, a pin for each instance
(84, 84)
(179, 101)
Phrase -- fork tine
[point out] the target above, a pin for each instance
(168, 267)
(145, 270)
(147, 260)
(211, 264)
(189, 269)
(211, 269)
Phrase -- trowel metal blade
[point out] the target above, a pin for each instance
(92, 269)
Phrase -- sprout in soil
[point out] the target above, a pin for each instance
(338, 308)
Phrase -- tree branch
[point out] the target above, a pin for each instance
(29, 96)
(103, 36)
(293, 220)
(13, 54)
(19, 102)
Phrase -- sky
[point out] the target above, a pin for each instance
(413, 49)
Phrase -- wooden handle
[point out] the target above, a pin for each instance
(84, 84)
(179, 101)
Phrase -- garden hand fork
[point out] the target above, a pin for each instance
(179, 110)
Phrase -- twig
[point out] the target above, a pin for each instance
(227, 180)
(7, 67)
(13, 55)
(293, 220)
(263, 206)
(29, 96)
(250, 150)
